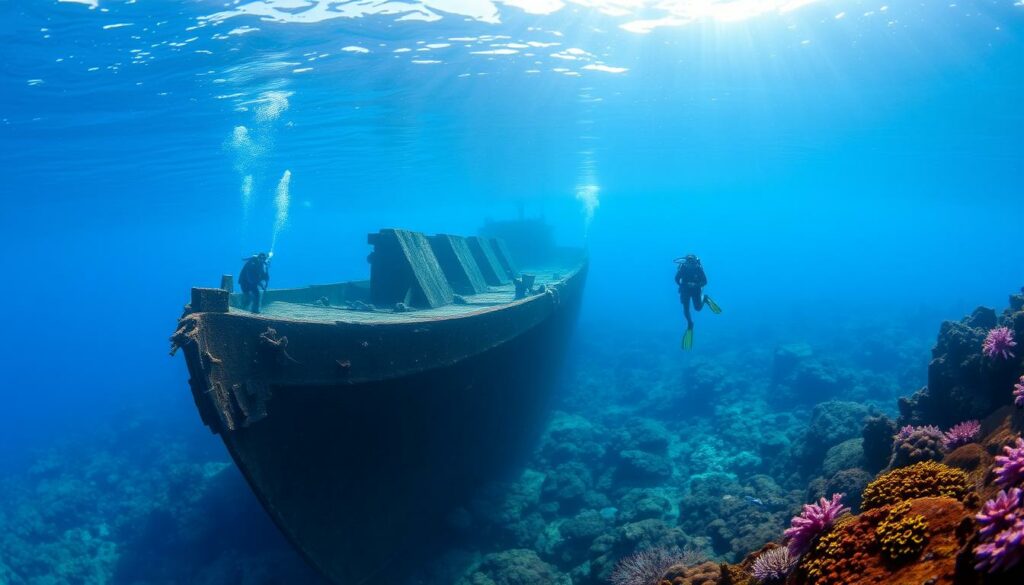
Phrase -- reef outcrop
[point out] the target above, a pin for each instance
(949, 507)
(964, 382)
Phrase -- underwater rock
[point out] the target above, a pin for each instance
(515, 567)
(642, 468)
(643, 504)
(832, 423)
(577, 534)
(567, 484)
(131, 507)
(572, 438)
(811, 380)
(787, 358)
(962, 382)
(642, 434)
(845, 455)
(850, 482)
(878, 436)
(716, 507)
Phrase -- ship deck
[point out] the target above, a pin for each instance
(496, 296)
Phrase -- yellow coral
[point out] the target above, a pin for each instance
(901, 536)
(921, 480)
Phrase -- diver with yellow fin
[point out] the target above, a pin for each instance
(691, 280)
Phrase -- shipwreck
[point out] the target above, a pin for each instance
(363, 414)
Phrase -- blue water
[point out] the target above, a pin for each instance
(845, 169)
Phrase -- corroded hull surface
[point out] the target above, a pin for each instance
(360, 439)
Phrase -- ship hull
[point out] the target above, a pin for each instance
(362, 460)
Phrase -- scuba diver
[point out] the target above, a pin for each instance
(253, 279)
(691, 280)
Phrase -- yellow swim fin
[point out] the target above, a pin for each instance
(712, 305)
(688, 339)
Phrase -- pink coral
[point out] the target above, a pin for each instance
(1009, 468)
(961, 434)
(1018, 393)
(999, 343)
(904, 433)
(814, 520)
(1001, 542)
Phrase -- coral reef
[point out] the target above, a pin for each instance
(516, 567)
(138, 507)
(714, 453)
(962, 381)
(852, 553)
(813, 521)
(901, 535)
(1018, 393)
(921, 480)
(838, 557)
(702, 574)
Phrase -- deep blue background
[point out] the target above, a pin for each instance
(875, 170)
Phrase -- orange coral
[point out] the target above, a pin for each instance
(921, 480)
(838, 557)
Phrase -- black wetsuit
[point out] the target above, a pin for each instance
(691, 280)
(254, 277)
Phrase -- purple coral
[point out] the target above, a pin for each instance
(814, 520)
(961, 434)
(1009, 468)
(1001, 542)
(773, 566)
(999, 343)
(915, 444)
(1018, 393)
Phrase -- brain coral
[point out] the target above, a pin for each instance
(707, 573)
(902, 536)
(921, 480)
